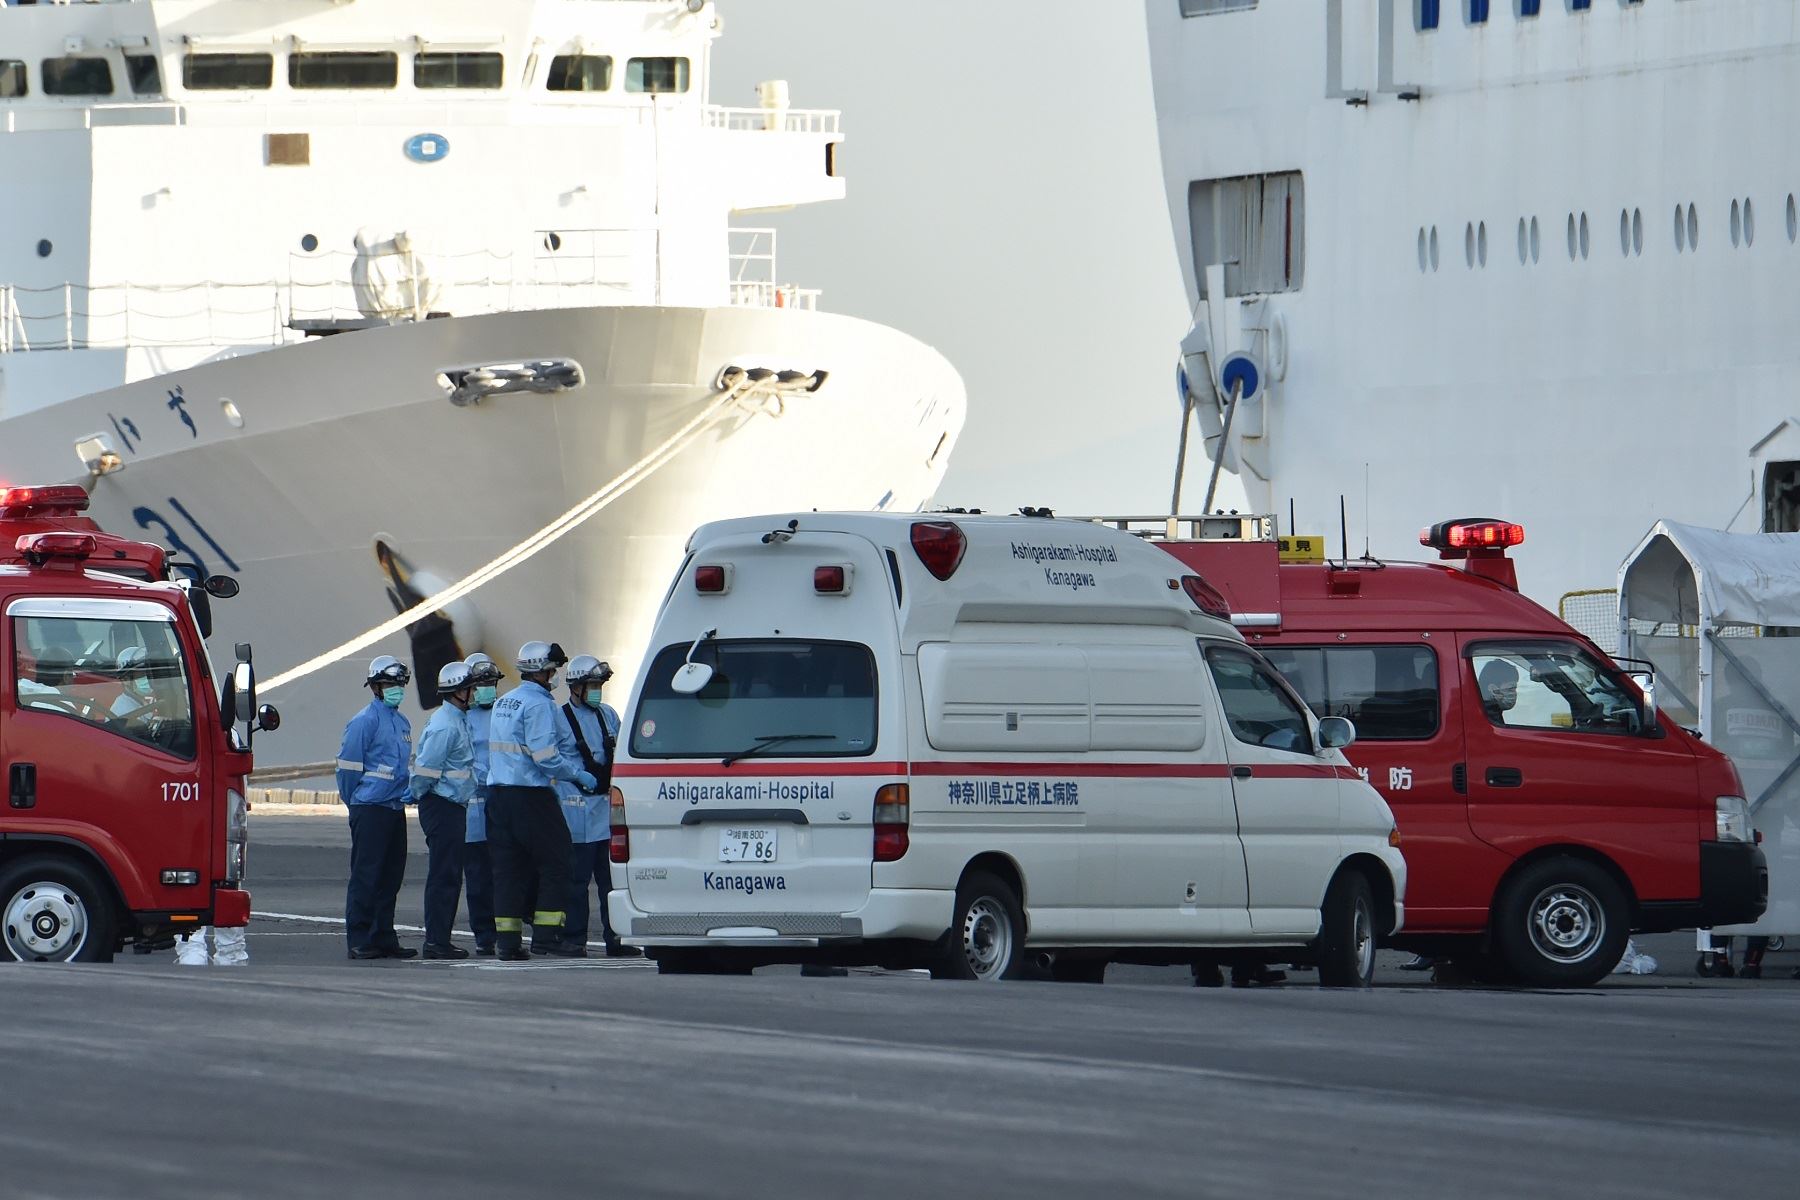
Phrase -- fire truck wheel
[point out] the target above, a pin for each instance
(987, 940)
(1347, 933)
(54, 909)
(1561, 922)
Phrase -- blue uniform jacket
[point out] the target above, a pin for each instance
(523, 747)
(445, 762)
(372, 762)
(480, 718)
(589, 817)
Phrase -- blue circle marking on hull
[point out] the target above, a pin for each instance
(427, 147)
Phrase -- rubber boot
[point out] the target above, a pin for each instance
(510, 947)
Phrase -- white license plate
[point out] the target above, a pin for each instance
(747, 843)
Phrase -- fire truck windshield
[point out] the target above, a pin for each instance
(123, 674)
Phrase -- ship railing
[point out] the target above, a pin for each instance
(774, 120)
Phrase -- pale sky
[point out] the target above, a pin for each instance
(1005, 206)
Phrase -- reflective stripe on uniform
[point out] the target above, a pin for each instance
(544, 755)
(381, 772)
(428, 772)
(463, 774)
(543, 917)
(345, 764)
(508, 925)
(506, 748)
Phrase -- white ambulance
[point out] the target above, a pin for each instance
(983, 745)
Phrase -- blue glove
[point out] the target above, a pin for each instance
(586, 782)
(417, 789)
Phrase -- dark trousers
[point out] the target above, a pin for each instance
(446, 824)
(478, 880)
(591, 864)
(527, 833)
(377, 869)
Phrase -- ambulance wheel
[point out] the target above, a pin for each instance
(54, 909)
(1347, 933)
(1561, 922)
(986, 942)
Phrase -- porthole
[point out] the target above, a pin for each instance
(1422, 262)
(1572, 235)
(1534, 239)
(1469, 245)
(1749, 223)
(309, 243)
(1584, 236)
(1793, 219)
(1624, 233)
(233, 417)
(553, 241)
(1434, 248)
(1680, 229)
(44, 248)
(1524, 251)
(1637, 231)
(1737, 224)
(1481, 243)
(1693, 228)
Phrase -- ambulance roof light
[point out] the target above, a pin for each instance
(1472, 533)
(68, 498)
(940, 545)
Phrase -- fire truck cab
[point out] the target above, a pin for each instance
(125, 817)
(1547, 809)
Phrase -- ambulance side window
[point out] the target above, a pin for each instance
(1259, 707)
(124, 676)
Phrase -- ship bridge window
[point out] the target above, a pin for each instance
(77, 77)
(1477, 12)
(656, 75)
(1254, 226)
(227, 72)
(1580, 5)
(344, 69)
(144, 74)
(12, 79)
(1205, 8)
(580, 73)
(1426, 14)
(444, 70)
(1530, 8)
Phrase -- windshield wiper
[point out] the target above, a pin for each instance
(772, 740)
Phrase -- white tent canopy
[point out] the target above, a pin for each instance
(1687, 575)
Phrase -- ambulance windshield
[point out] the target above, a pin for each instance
(800, 699)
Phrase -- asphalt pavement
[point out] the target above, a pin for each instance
(302, 1074)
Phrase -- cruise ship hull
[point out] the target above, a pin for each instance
(290, 468)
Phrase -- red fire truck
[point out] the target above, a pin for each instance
(125, 774)
(1546, 808)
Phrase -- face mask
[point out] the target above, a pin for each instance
(485, 696)
(592, 699)
(393, 696)
(141, 686)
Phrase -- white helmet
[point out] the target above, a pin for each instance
(134, 660)
(483, 669)
(585, 668)
(388, 669)
(534, 657)
(454, 678)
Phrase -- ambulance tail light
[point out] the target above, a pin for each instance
(1472, 534)
(893, 816)
(64, 498)
(39, 548)
(1206, 597)
(712, 580)
(831, 580)
(940, 545)
(619, 849)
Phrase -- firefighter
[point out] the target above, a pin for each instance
(372, 779)
(443, 781)
(525, 825)
(594, 728)
(478, 866)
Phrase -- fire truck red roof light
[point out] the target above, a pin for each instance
(71, 497)
(1206, 597)
(940, 545)
(36, 547)
(1472, 534)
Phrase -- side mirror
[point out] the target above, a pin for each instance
(268, 719)
(228, 705)
(201, 603)
(1646, 683)
(690, 678)
(223, 587)
(243, 682)
(1335, 733)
